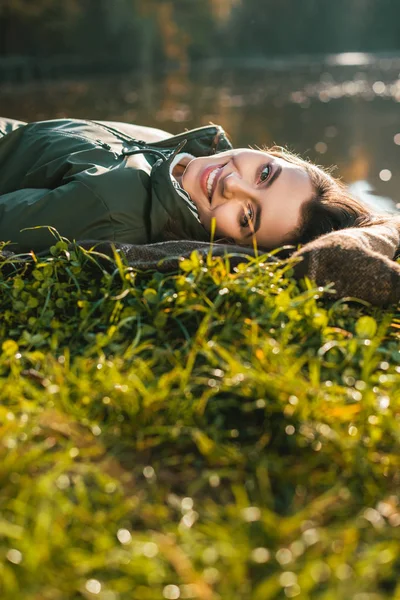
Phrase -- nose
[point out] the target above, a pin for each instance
(234, 187)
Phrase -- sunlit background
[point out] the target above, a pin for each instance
(320, 77)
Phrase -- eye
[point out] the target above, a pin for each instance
(265, 173)
(247, 217)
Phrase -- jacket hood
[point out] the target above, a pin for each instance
(171, 203)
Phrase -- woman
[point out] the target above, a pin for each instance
(138, 185)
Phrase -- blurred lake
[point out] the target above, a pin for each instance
(339, 109)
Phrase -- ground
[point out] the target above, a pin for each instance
(203, 434)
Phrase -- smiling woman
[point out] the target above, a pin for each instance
(271, 195)
(248, 192)
(126, 183)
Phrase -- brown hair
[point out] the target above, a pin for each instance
(332, 207)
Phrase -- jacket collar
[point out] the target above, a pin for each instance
(176, 202)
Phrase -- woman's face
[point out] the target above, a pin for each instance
(248, 192)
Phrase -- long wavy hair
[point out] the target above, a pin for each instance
(332, 207)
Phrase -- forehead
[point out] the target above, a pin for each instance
(283, 202)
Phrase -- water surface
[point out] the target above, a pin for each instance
(340, 110)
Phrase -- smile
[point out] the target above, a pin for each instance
(209, 180)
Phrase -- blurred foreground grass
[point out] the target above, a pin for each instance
(205, 435)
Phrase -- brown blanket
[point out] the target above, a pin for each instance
(359, 261)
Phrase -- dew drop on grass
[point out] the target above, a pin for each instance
(260, 555)
(96, 430)
(218, 373)
(171, 592)
(325, 430)
(14, 556)
(9, 443)
(291, 591)
(310, 536)
(287, 578)
(124, 536)
(284, 556)
(110, 487)
(93, 586)
(297, 548)
(63, 482)
(394, 520)
(355, 395)
(150, 549)
(251, 513)
(214, 480)
(149, 472)
(385, 508)
(373, 516)
(53, 389)
(384, 402)
(187, 504)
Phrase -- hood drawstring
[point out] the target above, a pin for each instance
(165, 155)
(146, 147)
(146, 150)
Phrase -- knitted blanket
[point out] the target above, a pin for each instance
(359, 261)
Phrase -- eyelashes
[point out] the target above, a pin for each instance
(247, 217)
(265, 173)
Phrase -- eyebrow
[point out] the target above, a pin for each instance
(257, 219)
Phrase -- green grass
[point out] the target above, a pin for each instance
(204, 434)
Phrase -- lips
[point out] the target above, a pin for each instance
(209, 179)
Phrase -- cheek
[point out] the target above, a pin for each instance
(189, 175)
(227, 220)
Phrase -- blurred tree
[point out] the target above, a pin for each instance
(150, 33)
(31, 27)
(292, 27)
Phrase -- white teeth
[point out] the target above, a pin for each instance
(210, 181)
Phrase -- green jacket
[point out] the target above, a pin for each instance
(95, 180)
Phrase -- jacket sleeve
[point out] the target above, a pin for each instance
(58, 208)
